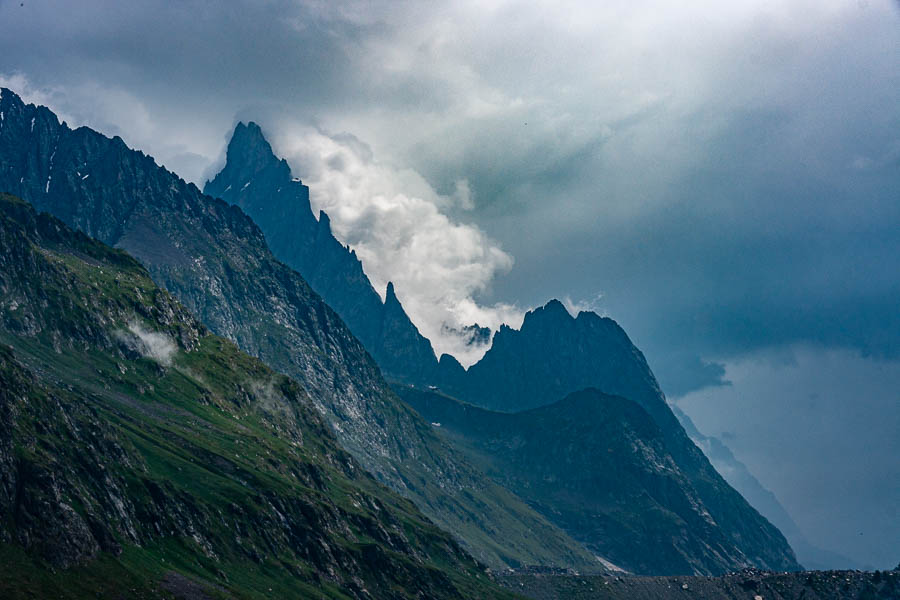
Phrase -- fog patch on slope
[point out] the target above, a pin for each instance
(150, 344)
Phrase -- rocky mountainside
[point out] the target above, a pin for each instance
(143, 455)
(554, 354)
(599, 467)
(262, 185)
(214, 259)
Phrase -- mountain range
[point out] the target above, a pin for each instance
(214, 259)
(551, 356)
(557, 448)
(599, 467)
(128, 430)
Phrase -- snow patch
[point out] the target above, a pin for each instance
(609, 565)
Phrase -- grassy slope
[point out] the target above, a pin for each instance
(218, 468)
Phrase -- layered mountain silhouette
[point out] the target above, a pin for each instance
(599, 467)
(551, 356)
(764, 500)
(555, 354)
(152, 458)
(214, 259)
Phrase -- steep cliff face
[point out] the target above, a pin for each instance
(261, 184)
(128, 430)
(214, 259)
(554, 354)
(599, 467)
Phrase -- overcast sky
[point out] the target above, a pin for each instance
(723, 178)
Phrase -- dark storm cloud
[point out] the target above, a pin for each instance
(722, 178)
(849, 481)
(750, 249)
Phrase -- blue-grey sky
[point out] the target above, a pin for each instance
(722, 178)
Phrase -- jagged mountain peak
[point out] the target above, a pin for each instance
(250, 155)
(390, 296)
(554, 311)
(280, 206)
(9, 95)
(324, 221)
(250, 146)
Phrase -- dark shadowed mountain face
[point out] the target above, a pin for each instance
(137, 451)
(261, 184)
(597, 466)
(214, 259)
(554, 354)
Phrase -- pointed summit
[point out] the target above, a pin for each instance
(556, 308)
(406, 354)
(261, 185)
(324, 221)
(249, 159)
(552, 313)
(249, 149)
(390, 297)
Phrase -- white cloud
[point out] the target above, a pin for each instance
(151, 344)
(584, 305)
(392, 217)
